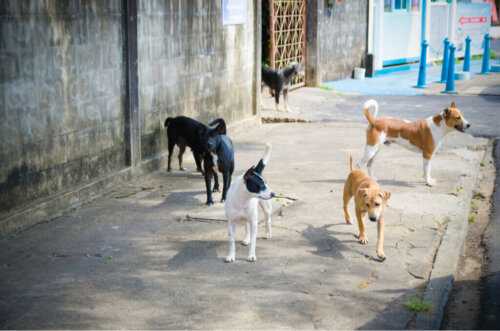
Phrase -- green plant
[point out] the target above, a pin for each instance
(477, 195)
(493, 56)
(324, 87)
(458, 189)
(417, 304)
(472, 218)
(482, 164)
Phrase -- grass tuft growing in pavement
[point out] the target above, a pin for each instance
(478, 195)
(324, 87)
(417, 304)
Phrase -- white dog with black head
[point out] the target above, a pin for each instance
(243, 196)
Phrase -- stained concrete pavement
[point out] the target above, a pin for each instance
(150, 254)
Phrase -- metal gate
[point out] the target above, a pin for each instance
(288, 35)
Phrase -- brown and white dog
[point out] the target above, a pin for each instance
(423, 136)
(369, 198)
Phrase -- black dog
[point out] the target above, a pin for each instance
(184, 131)
(219, 156)
(280, 80)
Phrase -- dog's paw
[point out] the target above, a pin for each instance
(251, 258)
(245, 242)
(209, 203)
(362, 240)
(229, 258)
(348, 221)
(431, 182)
(381, 256)
(269, 235)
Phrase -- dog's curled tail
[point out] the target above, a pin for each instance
(221, 127)
(263, 161)
(352, 168)
(168, 120)
(367, 106)
(267, 153)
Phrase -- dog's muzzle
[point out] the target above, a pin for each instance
(461, 128)
(268, 197)
(372, 218)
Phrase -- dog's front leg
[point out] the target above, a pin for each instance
(277, 99)
(267, 209)
(246, 241)
(285, 100)
(216, 182)
(380, 238)
(427, 172)
(230, 231)
(362, 231)
(208, 182)
(253, 239)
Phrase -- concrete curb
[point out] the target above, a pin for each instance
(445, 265)
(490, 318)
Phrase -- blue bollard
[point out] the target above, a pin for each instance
(467, 55)
(444, 67)
(450, 82)
(485, 70)
(423, 64)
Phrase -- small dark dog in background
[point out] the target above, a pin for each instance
(280, 80)
(184, 132)
(218, 157)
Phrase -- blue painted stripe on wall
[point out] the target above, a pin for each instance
(400, 61)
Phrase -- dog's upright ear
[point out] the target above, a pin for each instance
(249, 174)
(386, 195)
(453, 105)
(221, 129)
(446, 113)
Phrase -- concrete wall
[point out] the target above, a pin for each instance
(189, 64)
(61, 113)
(336, 39)
(81, 110)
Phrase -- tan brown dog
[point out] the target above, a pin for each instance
(423, 136)
(369, 198)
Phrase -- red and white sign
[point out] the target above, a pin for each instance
(467, 20)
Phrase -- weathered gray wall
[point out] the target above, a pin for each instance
(336, 39)
(71, 122)
(61, 118)
(191, 65)
(71, 125)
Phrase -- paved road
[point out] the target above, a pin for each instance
(134, 260)
(483, 112)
